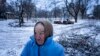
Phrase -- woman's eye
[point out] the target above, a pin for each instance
(34, 32)
(40, 33)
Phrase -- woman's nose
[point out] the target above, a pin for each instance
(38, 36)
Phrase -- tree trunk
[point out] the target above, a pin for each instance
(82, 15)
(75, 19)
(21, 21)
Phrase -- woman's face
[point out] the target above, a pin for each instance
(39, 34)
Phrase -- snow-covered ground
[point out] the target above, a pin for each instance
(13, 39)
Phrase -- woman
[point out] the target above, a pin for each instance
(41, 43)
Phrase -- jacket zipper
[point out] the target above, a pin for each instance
(39, 51)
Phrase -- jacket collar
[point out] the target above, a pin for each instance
(47, 42)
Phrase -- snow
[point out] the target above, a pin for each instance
(13, 39)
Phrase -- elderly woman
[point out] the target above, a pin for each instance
(41, 43)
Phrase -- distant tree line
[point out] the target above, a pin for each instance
(21, 9)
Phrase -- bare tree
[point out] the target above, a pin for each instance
(83, 7)
(29, 8)
(73, 8)
(97, 2)
(57, 11)
(2, 8)
(24, 7)
(19, 6)
(96, 11)
(54, 2)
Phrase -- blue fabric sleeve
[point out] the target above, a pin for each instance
(25, 50)
(62, 53)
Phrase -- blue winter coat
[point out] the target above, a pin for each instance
(50, 48)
